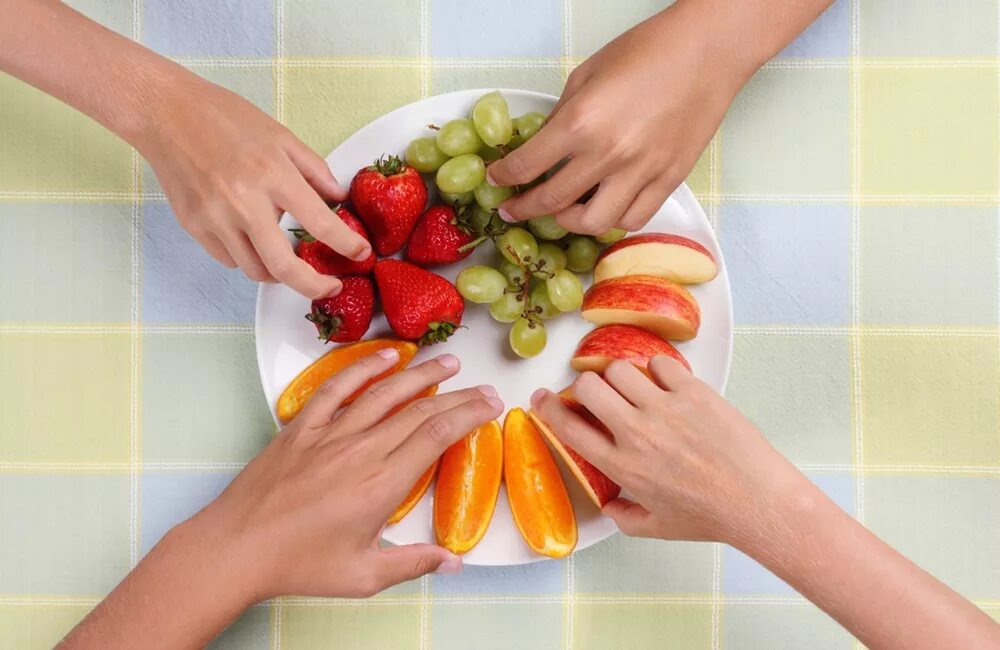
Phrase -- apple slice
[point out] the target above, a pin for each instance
(605, 344)
(596, 483)
(671, 257)
(659, 306)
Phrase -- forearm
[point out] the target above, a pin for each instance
(882, 598)
(182, 594)
(115, 81)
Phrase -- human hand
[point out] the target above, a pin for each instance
(697, 469)
(633, 119)
(309, 510)
(230, 171)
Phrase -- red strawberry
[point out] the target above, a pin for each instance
(419, 305)
(346, 316)
(439, 238)
(389, 197)
(326, 260)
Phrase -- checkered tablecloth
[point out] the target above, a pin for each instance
(855, 187)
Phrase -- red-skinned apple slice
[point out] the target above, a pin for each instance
(671, 257)
(656, 305)
(596, 483)
(605, 344)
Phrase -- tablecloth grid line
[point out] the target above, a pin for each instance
(275, 621)
(425, 72)
(997, 66)
(855, 256)
(714, 181)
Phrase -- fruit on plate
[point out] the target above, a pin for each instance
(468, 484)
(419, 305)
(491, 117)
(424, 155)
(610, 236)
(538, 498)
(667, 256)
(605, 344)
(389, 196)
(345, 318)
(481, 284)
(326, 260)
(439, 238)
(461, 174)
(304, 386)
(660, 306)
(458, 137)
(416, 493)
(596, 483)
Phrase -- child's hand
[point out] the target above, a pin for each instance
(309, 510)
(696, 467)
(230, 171)
(632, 118)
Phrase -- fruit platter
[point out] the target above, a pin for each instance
(522, 306)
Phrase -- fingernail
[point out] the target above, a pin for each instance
(363, 255)
(388, 353)
(450, 566)
(489, 176)
(487, 390)
(495, 403)
(449, 361)
(337, 288)
(505, 215)
(537, 396)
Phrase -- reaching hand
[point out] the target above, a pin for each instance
(230, 171)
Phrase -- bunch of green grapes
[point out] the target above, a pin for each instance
(535, 278)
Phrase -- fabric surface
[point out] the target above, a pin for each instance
(855, 187)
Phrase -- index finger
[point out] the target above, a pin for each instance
(302, 201)
(571, 429)
(533, 158)
(287, 267)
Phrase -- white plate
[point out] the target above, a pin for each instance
(286, 342)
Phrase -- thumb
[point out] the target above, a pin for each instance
(632, 518)
(401, 563)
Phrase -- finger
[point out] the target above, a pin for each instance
(574, 430)
(285, 266)
(574, 82)
(631, 518)
(557, 193)
(381, 397)
(668, 372)
(646, 203)
(598, 397)
(402, 563)
(214, 247)
(438, 432)
(533, 158)
(397, 428)
(632, 384)
(614, 196)
(315, 170)
(245, 255)
(319, 411)
(302, 201)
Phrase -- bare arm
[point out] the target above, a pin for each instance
(228, 169)
(699, 470)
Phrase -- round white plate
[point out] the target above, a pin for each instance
(287, 343)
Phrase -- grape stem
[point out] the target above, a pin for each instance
(530, 313)
(434, 127)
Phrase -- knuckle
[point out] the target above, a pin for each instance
(255, 272)
(424, 564)
(550, 198)
(377, 391)
(439, 429)
(368, 585)
(423, 408)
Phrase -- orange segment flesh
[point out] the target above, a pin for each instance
(468, 484)
(416, 493)
(304, 386)
(538, 498)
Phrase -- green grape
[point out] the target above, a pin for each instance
(581, 254)
(565, 290)
(477, 218)
(458, 137)
(481, 284)
(490, 154)
(517, 245)
(462, 198)
(491, 196)
(508, 308)
(611, 236)
(527, 337)
(542, 304)
(526, 126)
(550, 259)
(546, 228)
(423, 155)
(461, 174)
(516, 275)
(491, 118)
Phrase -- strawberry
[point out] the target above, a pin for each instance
(439, 238)
(389, 197)
(419, 305)
(326, 260)
(346, 316)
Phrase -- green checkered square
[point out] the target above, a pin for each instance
(599, 626)
(351, 627)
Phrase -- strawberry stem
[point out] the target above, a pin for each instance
(328, 325)
(302, 234)
(388, 165)
(437, 332)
